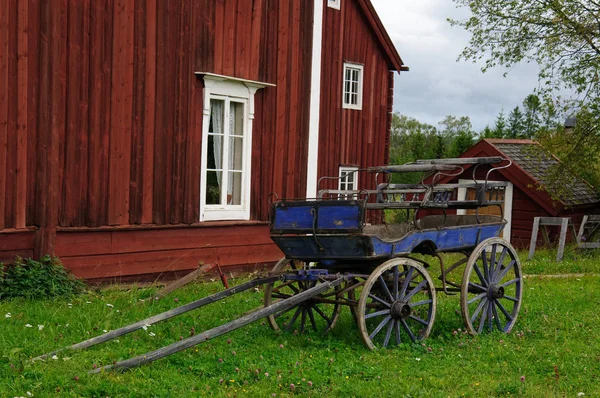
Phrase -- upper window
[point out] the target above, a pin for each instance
(334, 4)
(348, 180)
(226, 148)
(353, 84)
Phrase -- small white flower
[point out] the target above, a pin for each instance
(145, 327)
(417, 359)
(67, 325)
(40, 327)
(109, 305)
(54, 357)
(118, 310)
(29, 394)
(105, 331)
(28, 326)
(88, 302)
(151, 334)
(8, 315)
(580, 394)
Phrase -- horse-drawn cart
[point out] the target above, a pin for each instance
(334, 258)
(390, 291)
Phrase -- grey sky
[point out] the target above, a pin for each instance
(437, 85)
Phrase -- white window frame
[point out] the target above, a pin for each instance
(231, 90)
(334, 4)
(344, 170)
(359, 93)
(507, 207)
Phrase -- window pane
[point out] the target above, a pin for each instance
(236, 152)
(347, 86)
(215, 152)
(236, 118)
(213, 187)
(348, 74)
(234, 190)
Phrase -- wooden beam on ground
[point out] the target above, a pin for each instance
(192, 276)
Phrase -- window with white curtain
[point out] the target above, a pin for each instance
(225, 155)
(226, 148)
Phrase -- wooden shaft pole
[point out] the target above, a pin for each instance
(220, 330)
(164, 316)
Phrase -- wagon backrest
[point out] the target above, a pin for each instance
(317, 216)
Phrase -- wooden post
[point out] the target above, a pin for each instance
(563, 238)
(563, 222)
(534, 234)
(581, 229)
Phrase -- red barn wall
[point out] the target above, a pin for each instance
(101, 123)
(347, 136)
(101, 113)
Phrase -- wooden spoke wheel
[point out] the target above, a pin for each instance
(318, 314)
(492, 287)
(397, 304)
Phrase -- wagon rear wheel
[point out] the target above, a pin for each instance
(318, 314)
(492, 287)
(397, 304)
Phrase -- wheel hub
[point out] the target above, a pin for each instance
(400, 310)
(495, 292)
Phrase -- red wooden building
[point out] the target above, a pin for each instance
(144, 136)
(530, 192)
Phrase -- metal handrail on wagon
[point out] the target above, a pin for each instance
(428, 194)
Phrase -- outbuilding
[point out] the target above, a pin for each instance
(531, 191)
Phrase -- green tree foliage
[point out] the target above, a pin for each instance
(515, 123)
(563, 38)
(412, 140)
(500, 126)
(576, 147)
(531, 123)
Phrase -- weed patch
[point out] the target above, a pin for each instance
(37, 279)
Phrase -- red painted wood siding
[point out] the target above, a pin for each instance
(101, 113)
(117, 252)
(353, 137)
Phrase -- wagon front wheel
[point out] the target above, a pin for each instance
(492, 287)
(397, 304)
(318, 314)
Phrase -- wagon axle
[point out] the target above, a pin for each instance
(495, 292)
(400, 310)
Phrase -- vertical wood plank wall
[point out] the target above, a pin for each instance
(347, 136)
(106, 93)
(101, 113)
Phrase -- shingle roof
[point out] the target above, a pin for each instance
(535, 160)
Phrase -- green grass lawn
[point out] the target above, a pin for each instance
(554, 349)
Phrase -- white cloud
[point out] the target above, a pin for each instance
(437, 85)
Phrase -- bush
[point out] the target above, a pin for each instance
(38, 279)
